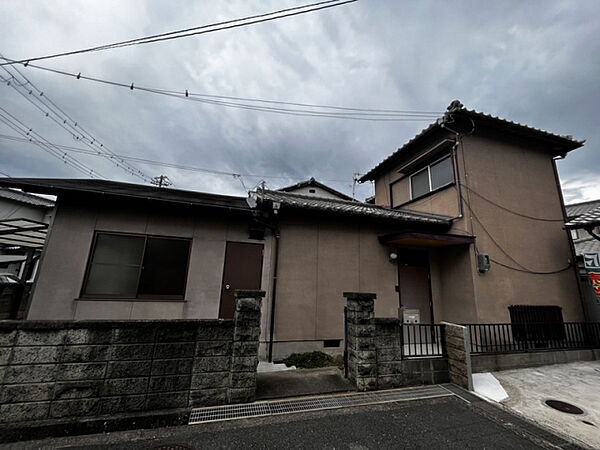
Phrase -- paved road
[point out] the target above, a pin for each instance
(429, 424)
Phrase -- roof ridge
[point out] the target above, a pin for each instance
(355, 204)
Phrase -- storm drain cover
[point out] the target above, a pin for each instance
(564, 407)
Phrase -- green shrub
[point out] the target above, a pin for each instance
(309, 360)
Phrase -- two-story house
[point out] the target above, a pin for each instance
(466, 226)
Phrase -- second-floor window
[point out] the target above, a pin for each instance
(432, 177)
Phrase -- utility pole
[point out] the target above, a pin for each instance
(161, 181)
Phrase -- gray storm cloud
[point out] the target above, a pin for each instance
(534, 62)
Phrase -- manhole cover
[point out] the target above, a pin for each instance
(564, 407)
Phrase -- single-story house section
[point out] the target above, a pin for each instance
(467, 226)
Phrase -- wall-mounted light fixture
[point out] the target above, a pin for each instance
(393, 257)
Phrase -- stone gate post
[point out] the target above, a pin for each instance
(362, 359)
(244, 355)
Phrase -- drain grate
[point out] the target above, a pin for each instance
(172, 447)
(564, 407)
(267, 408)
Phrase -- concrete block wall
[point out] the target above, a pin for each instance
(459, 355)
(71, 370)
(375, 357)
(508, 361)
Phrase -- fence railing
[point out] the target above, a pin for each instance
(510, 338)
(422, 340)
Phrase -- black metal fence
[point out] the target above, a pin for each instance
(422, 340)
(522, 337)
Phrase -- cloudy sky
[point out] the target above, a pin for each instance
(535, 62)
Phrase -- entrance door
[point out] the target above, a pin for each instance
(243, 270)
(414, 287)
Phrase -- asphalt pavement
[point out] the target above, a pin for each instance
(448, 423)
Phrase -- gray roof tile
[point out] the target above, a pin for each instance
(588, 219)
(577, 209)
(590, 245)
(566, 141)
(23, 197)
(349, 207)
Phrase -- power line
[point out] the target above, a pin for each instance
(22, 129)
(64, 120)
(508, 209)
(47, 146)
(230, 24)
(163, 164)
(521, 267)
(312, 105)
(367, 115)
(67, 123)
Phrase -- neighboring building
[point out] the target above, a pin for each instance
(468, 220)
(583, 223)
(313, 188)
(23, 221)
(584, 242)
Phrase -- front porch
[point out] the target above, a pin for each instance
(430, 269)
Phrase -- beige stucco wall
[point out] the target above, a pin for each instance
(62, 271)
(319, 260)
(520, 178)
(318, 192)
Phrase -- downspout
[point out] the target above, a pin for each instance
(459, 137)
(457, 178)
(276, 235)
(571, 245)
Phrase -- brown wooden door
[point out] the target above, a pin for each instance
(414, 283)
(243, 270)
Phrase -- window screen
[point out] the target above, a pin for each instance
(419, 183)
(442, 173)
(137, 266)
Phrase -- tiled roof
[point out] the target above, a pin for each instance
(456, 108)
(347, 207)
(589, 245)
(577, 209)
(23, 197)
(590, 218)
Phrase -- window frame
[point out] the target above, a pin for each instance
(137, 297)
(428, 169)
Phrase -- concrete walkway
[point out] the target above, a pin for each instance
(576, 383)
(299, 382)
